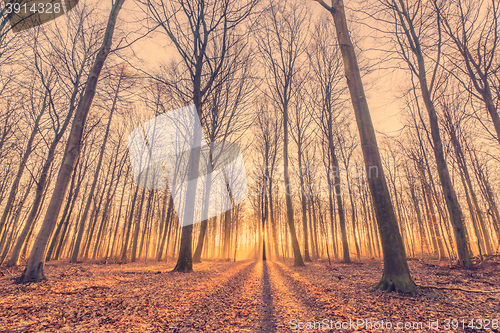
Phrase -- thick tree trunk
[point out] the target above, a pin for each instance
(201, 241)
(396, 274)
(490, 106)
(185, 259)
(34, 270)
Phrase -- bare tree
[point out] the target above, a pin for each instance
(396, 276)
(68, 72)
(121, 76)
(268, 126)
(326, 64)
(301, 132)
(409, 18)
(27, 151)
(206, 35)
(453, 106)
(473, 26)
(282, 44)
(34, 270)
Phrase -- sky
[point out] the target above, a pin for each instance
(383, 86)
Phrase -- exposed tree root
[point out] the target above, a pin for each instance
(402, 287)
(460, 289)
(36, 274)
(183, 268)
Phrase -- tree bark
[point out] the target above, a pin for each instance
(396, 276)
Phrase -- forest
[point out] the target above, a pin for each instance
(249, 165)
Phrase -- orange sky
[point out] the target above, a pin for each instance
(383, 86)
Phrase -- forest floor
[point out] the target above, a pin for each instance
(246, 296)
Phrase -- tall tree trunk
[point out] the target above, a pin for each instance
(437, 238)
(314, 228)
(396, 274)
(146, 220)
(273, 220)
(227, 234)
(34, 270)
(162, 225)
(338, 195)
(490, 106)
(288, 196)
(480, 240)
(333, 220)
(353, 207)
(107, 207)
(185, 259)
(201, 241)
(416, 206)
(450, 195)
(264, 215)
(307, 256)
